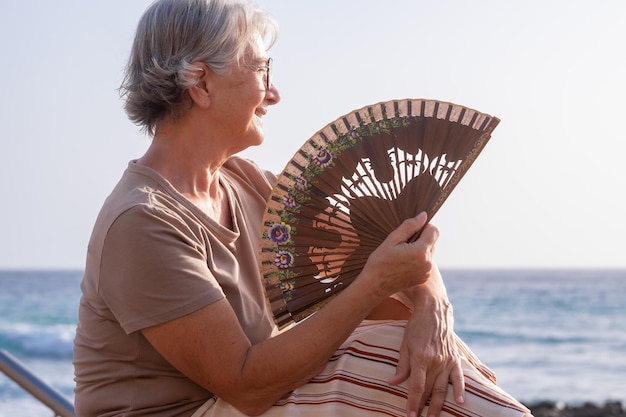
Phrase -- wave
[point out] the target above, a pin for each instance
(27, 339)
(517, 336)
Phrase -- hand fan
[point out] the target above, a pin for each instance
(350, 185)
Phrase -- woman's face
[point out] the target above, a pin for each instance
(241, 99)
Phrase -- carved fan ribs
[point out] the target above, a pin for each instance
(354, 182)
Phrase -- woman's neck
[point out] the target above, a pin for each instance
(191, 165)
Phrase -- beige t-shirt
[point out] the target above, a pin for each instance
(154, 256)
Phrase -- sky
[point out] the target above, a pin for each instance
(546, 192)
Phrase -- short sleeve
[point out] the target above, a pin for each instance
(154, 268)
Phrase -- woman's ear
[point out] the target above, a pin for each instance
(200, 93)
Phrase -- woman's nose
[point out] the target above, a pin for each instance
(273, 95)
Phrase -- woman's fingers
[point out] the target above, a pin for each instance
(458, 382)
(438, 394)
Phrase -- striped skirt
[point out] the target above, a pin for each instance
(353, 384)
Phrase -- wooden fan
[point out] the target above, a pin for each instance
(350, 185)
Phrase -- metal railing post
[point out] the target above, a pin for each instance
(31, 383)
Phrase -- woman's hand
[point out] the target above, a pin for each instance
(429, 358)
(398, 264)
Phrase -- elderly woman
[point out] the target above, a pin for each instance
(173, 319)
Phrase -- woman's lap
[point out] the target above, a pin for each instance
(353, 383)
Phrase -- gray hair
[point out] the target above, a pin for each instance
(171, 35)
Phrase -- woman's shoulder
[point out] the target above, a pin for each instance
(249, 172)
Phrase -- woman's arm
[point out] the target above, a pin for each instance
(210, 347)
(428, 356)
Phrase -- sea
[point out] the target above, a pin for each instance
(556, 335)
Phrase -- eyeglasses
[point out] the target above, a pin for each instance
(268, 71)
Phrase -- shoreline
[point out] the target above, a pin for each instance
(587, 409)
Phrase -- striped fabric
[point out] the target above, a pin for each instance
(353, 384)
